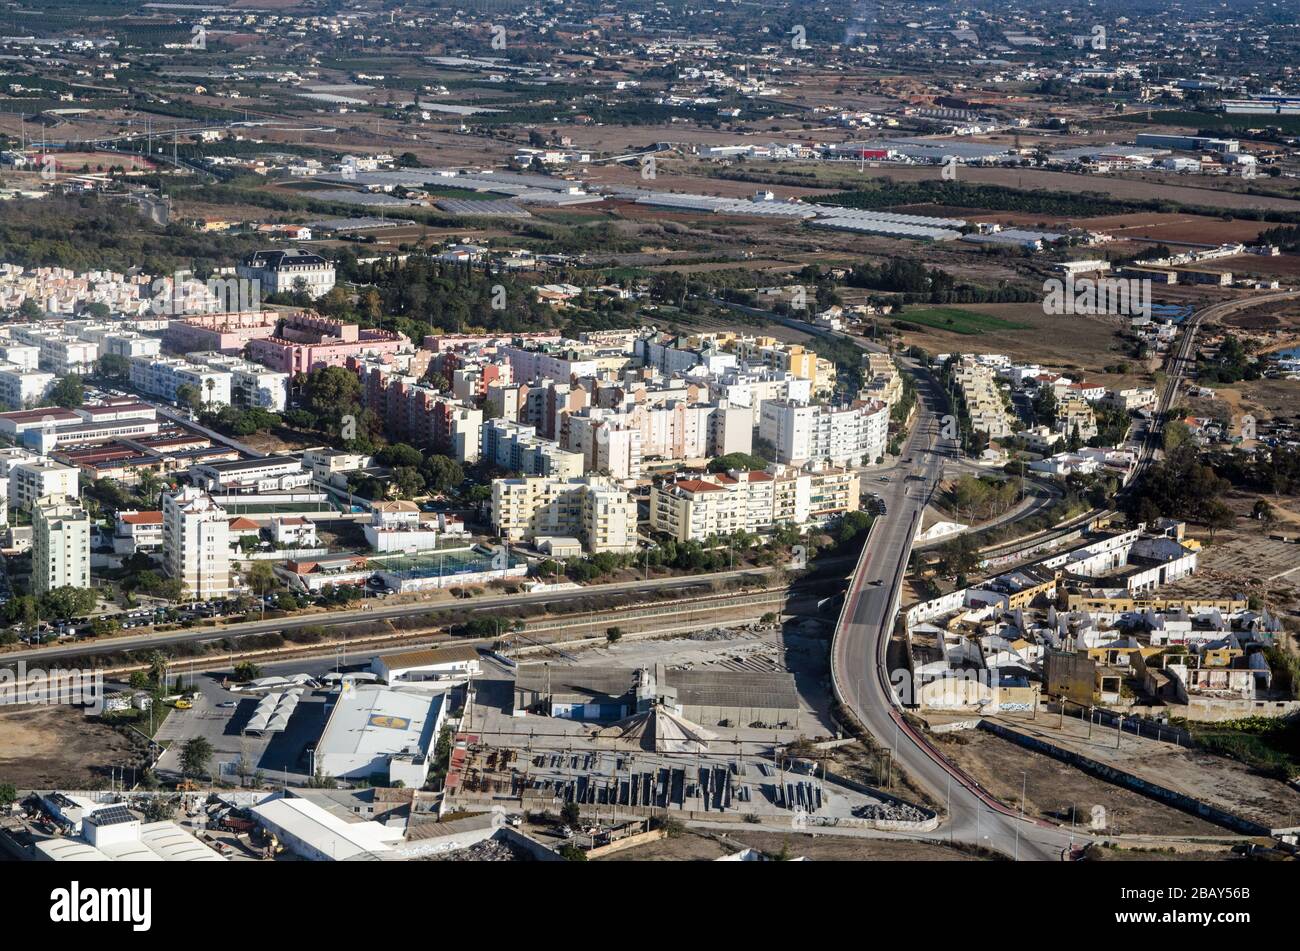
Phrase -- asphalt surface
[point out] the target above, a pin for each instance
(859, 656)
(859, 653)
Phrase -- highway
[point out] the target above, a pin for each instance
(859, 654)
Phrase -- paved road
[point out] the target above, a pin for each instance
(1183, 360)
(859, 656)
(859, 653)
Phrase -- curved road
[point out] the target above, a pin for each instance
(859, 655)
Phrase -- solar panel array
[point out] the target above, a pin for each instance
(112, 816)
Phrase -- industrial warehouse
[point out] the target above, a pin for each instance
(716, 697)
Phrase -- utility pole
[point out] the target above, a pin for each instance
(1024, 781)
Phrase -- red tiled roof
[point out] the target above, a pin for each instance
(143, 518)
(698, 485)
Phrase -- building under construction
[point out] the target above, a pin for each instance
(633, 781)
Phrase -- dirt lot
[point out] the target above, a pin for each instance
(1216, 780)
(703, 847)
(1090, 344)
(43, 747)
(1052, 787)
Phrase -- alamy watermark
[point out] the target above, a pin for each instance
(1113, 296)
(182, 295)
(57, 686)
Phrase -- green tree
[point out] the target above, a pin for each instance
(196, 755)
(67, 601)
(190, 397)
(69, 392)
(246, 670)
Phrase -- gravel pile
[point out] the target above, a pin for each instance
(891, 811)
(489, 850)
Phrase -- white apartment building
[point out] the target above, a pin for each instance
(38, 478)
(754, 386)
(60, 353)
(21, 355)
(594, 509)
(251, 384)
(559, 365)
(696, 508)
(518, 448)
(841, 436)
(196, 543)
(1130, 399)
(164, 377)
(60, 544)
(21, 387)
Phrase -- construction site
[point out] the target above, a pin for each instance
(711, 728)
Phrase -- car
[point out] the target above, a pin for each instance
(228, 704)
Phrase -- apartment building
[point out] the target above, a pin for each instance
(517, 448)
(842, 436)
(547, 363)
(609, 442)
(1073, 414)
(697, 507)
(21, 387)
(883, 381)
(753, 386)
(138, 532)
(983, 400)
(593, 509)
(694, 509)
(252, 385)
(305, 342)
(129, 344)
(226, 333)
(60, 544)
(832, 492)
(1130, 399)
(788, 358)
(60, 353)
(38, 478)
(165, 376)
(196, 543)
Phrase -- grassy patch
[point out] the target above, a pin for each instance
(1266, 744)
(957, 320)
